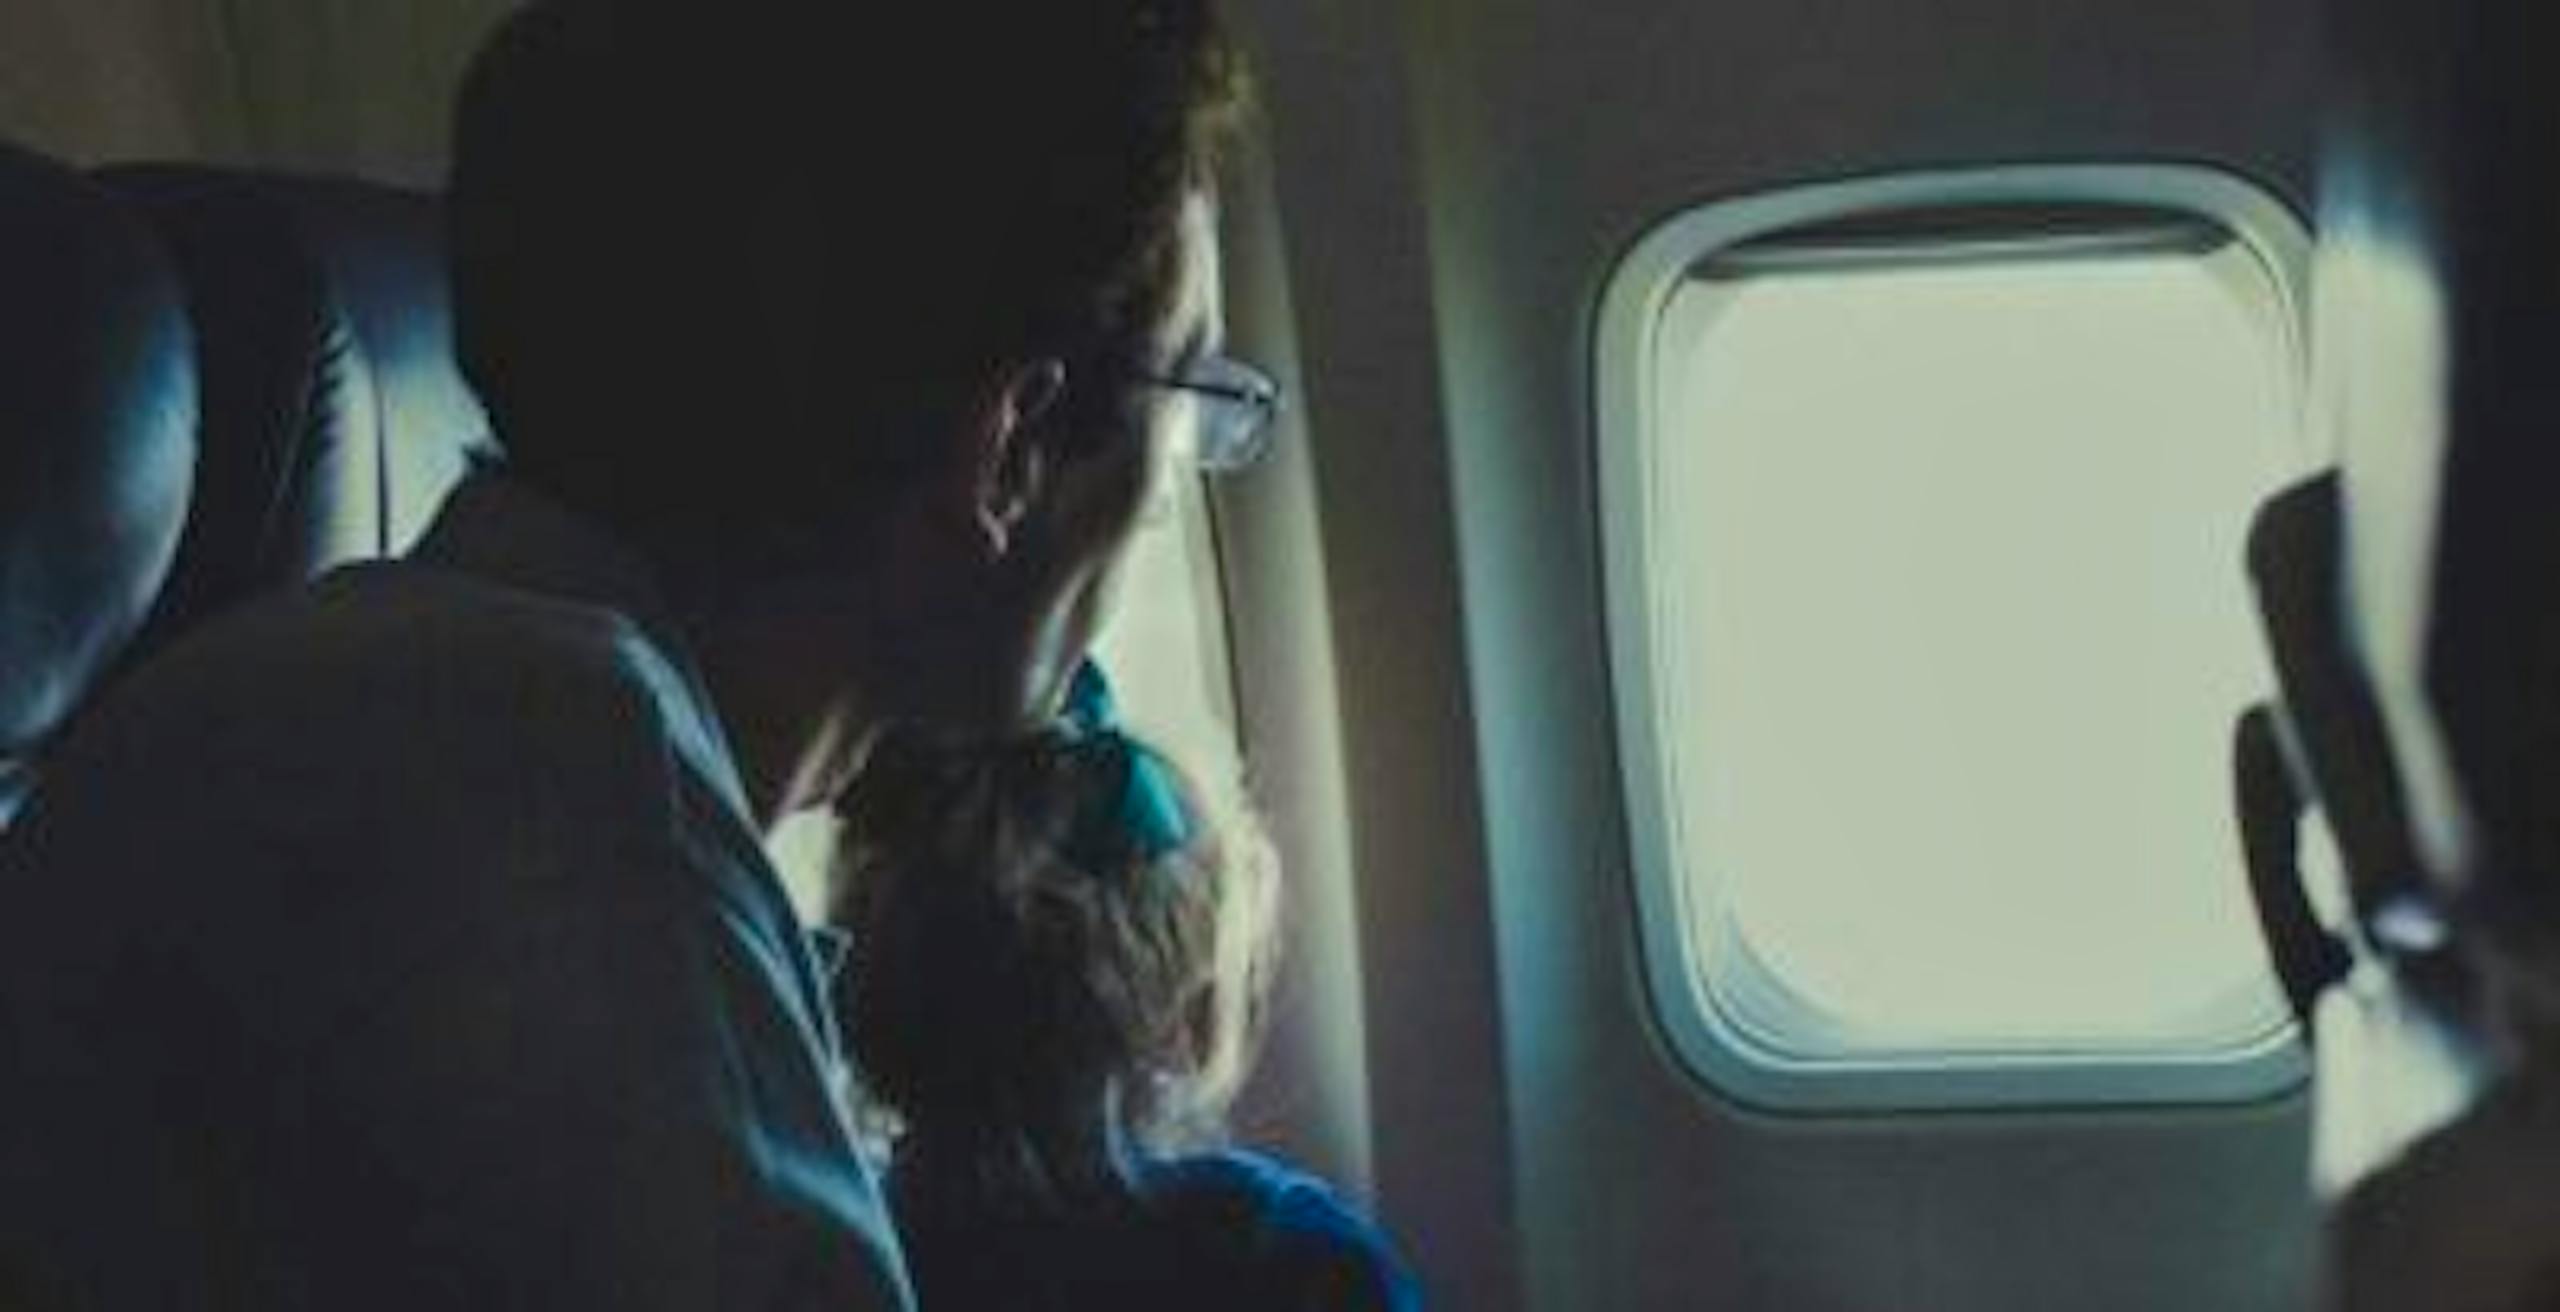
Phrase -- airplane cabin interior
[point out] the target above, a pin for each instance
(1737, 638)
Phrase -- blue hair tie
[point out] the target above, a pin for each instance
(1150, 811)
(1090, 708)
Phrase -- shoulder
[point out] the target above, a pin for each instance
(327, 793)
(383, 706)
(1298, 1231)
(394, 647)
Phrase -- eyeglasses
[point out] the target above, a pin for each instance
(1239, 406)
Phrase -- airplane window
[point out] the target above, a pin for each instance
(1165, 649)
(1946, 630)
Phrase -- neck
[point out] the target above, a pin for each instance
(798, 721)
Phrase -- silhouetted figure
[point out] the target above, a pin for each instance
(406, 942)
(2411, 600)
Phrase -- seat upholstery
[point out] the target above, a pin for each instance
(286, 481)
(334, 419)
(97, 445)
(212, 384)
(384, 250)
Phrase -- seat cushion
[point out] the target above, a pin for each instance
(287, 481)
(97, 440)
(335, 422)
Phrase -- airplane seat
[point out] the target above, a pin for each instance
(287, 473)
(97, 446)
(383, 249)
(334, 418)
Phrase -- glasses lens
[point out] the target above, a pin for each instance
(1238, 406)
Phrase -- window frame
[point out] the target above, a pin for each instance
(1712, 1045)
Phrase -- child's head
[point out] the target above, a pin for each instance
(1059, 943)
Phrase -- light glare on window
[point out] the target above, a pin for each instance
(1951, 642)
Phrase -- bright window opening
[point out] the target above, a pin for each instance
(1945, 633)
(1166, 646)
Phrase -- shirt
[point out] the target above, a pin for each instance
(1232, 1229)
(403, 942)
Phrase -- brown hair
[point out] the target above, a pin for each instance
(1023, 964)
(721, 271)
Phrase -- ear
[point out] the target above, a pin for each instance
(1013, 462)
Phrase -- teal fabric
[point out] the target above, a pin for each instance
(1151, 811)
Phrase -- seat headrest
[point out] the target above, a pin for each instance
(287, 476)
(335, 419)
(97, 438)
(383, 249)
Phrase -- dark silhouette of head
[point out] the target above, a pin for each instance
(716, 265)
(841, 320)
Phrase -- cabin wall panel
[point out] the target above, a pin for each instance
(1309, 1093)
(1538, 138)
(361, 87)
(93, 80)
(1334, 82)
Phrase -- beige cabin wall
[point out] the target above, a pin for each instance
(359, 87)
(94, 80)
(356, 86)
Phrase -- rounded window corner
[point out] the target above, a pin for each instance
(1736, 1022)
